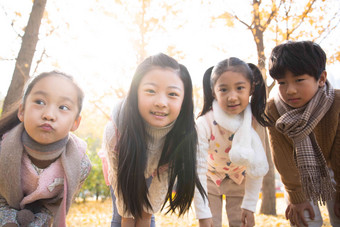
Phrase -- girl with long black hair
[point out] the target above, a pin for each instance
(151, 143)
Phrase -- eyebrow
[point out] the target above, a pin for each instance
(225, 85)
(64, 98)
(171, 86)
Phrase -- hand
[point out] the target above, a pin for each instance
(206, 222)
(337, 209)
(128, 222)
(144, 221)
(248, 219)
(295, 213)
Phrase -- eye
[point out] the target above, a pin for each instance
(150, 91)
(173, 94)
(39, 102)
(300, 80)
(280, 82)
(64, 107)
(240, 88)
(222, 90)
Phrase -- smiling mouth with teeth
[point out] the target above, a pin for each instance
(159, 114)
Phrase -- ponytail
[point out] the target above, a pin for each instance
(259, 96)
(207, 91)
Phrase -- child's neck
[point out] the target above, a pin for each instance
(41, 164)
(43, 155)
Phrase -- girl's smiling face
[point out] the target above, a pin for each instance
(50, 111)
(232, 91)
(160, 96)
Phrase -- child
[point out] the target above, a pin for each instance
(151, 143)
(306, 138)
(42, 165)
(116, 218)
(231, 136)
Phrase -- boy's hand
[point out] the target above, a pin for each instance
(295, 213)
(248, 219)
(207, 222)
(337, 209)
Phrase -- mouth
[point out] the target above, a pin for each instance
(159, 114)
(233, 106)
(46, 127)
(294, 100)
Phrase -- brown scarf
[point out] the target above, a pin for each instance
(298, 124)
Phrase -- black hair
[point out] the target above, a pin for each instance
(10, 119)
(251, 72)
(179, 150)
(298, 57)
(207, 92)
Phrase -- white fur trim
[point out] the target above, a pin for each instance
(247, 149)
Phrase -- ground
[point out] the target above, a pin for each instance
(93, 213)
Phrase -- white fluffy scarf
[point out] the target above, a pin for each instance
(247, 149)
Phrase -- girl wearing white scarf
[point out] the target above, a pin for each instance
(232, 158)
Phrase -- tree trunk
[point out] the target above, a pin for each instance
(268, 205)
(25, 56)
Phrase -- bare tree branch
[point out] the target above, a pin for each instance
(328, 29)
(12, 23)
(270, 87)
(272, 15)
(101, 110)
(39, 60)
(242, 22)
(303, 16)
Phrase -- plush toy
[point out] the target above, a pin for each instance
(26, 215)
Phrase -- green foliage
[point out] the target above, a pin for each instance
(94, 186)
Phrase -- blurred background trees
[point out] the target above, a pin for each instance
(101, 42)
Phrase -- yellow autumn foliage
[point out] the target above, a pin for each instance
(94, 213)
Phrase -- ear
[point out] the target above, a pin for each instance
(21, 113)
(76, 124)
(323, 78)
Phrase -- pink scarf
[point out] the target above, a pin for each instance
(10, 168)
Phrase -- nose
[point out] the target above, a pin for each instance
(291, 89)
(232, 96)
(49, 114)
(160, 101)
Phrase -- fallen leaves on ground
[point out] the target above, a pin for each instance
(94, 213)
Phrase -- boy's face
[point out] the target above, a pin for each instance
(297, 91)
